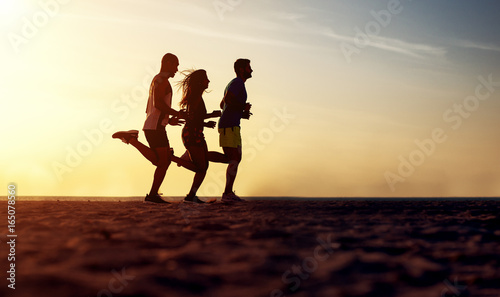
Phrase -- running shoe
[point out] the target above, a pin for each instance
(154, 199)
(193, 199)
(231, 197)
(126, 136)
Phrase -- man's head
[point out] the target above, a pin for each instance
(243, 69)
(169, 64)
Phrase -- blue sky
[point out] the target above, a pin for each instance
(325, 123)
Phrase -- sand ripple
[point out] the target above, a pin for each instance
(259, 248)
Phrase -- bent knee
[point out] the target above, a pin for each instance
(235, 161)
(202, 168)
(163, 162)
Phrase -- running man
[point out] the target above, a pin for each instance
(234, 107)
(158, 116)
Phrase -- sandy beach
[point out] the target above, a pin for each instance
(258, 248)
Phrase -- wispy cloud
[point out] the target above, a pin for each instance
(289, 16)
(415, 50)
(306, 26)
(214, 31)
(331, 34)
(229, 36)
(476, 45)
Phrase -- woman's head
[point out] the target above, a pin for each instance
(193, 85)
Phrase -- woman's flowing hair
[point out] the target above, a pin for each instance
(192, 86)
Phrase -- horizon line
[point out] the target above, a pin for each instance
(253, 198)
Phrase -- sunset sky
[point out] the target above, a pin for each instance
(350, 98)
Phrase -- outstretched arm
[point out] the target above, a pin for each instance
(214, 114)
(175, 121)
(210, 124)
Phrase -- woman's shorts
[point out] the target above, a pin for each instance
(157, 138)
(193, 137)
(230, 137)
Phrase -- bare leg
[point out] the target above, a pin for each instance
(161, 168)
(212, 157)
(184, 157)
(218, 157)
(234, 155)
(185, 163)
(199, 156)
(147, 152)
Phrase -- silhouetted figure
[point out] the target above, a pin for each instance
(235, 107)
(158, 116)
(193, 85)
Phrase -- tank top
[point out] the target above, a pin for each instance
(155, 118)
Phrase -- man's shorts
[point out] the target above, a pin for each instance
(230, 137)
(157, 138)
